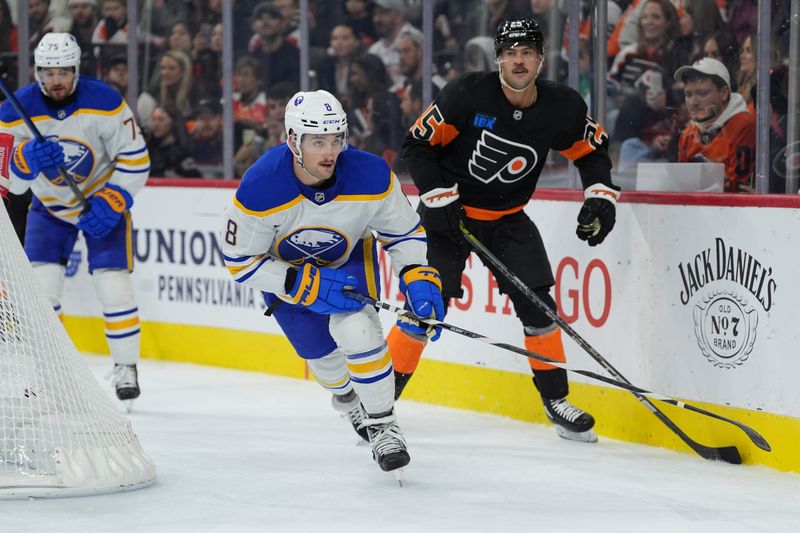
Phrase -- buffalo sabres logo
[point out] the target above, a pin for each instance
(319, 246)
(498, 158)
(78, 160)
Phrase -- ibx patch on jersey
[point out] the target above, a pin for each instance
(498, 158)
(319, 246)
(484, 121)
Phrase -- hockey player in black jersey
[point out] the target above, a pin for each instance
(476, 154)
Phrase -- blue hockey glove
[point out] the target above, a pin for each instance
(598, 214)
(105, 209)
(34, 156)
(422, 288)
(321, 290)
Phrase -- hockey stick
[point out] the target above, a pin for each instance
(68, 179)
(729, 454)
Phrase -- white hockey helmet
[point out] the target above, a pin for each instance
(314, 112)
(57, 50)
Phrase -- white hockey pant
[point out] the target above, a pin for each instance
(362, 357)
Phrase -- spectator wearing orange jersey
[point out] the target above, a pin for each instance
(250, 108)
(721, 129)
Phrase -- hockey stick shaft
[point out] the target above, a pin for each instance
(754, 436)
(68, 179)
(538, 357)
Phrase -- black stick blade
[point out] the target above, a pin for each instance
(730, 454)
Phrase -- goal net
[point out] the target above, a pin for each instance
(60, 433)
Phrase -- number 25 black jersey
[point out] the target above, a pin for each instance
(471, 135)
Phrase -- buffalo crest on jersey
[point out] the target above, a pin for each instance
(498, 158)
(319, 246)
(78, 160)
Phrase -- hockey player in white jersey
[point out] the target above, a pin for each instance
(302, 229)
(90, 131)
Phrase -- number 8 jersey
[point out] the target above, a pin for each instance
(102, 143)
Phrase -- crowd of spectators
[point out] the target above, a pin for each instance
(369, 54)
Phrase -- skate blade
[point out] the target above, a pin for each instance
(583, 436)
(128, 405)
(399, 475)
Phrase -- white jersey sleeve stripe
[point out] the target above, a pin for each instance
(390, 236)
(241, 278)
(133, 170)
(133, 152)
(145, 159)
(235, 270)
(422, 238)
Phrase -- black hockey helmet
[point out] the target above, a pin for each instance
(512, 33)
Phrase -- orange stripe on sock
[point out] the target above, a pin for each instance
(548, 345)
(405, 350)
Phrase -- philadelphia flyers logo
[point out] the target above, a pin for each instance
(498, 158)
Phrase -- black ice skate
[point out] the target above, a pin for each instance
(350, 406)
(125, 381)
(387, 441)
(571, 423)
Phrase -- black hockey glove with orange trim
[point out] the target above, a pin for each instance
(443, 212)
(598, 214)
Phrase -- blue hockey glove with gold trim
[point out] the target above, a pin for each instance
(105, 209)
(322, 290)
(35, 156)
(422, 288)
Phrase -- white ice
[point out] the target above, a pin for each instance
(239, 451)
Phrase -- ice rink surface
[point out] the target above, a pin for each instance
(240, 452)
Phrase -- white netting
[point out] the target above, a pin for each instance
(60, 433)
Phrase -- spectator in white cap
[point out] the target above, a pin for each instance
(721, 129)
(390, 21)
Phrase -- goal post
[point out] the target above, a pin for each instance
(60, 433)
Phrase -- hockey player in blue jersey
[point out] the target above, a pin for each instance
(90, 131)
(302, 229)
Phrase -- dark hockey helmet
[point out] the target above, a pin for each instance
(512, 33)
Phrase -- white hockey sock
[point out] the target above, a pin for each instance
(330, 371)
(373, 378)
(123, 334)
(360, 337)
(121, 315)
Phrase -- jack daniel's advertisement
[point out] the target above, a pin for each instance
(729, 290)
